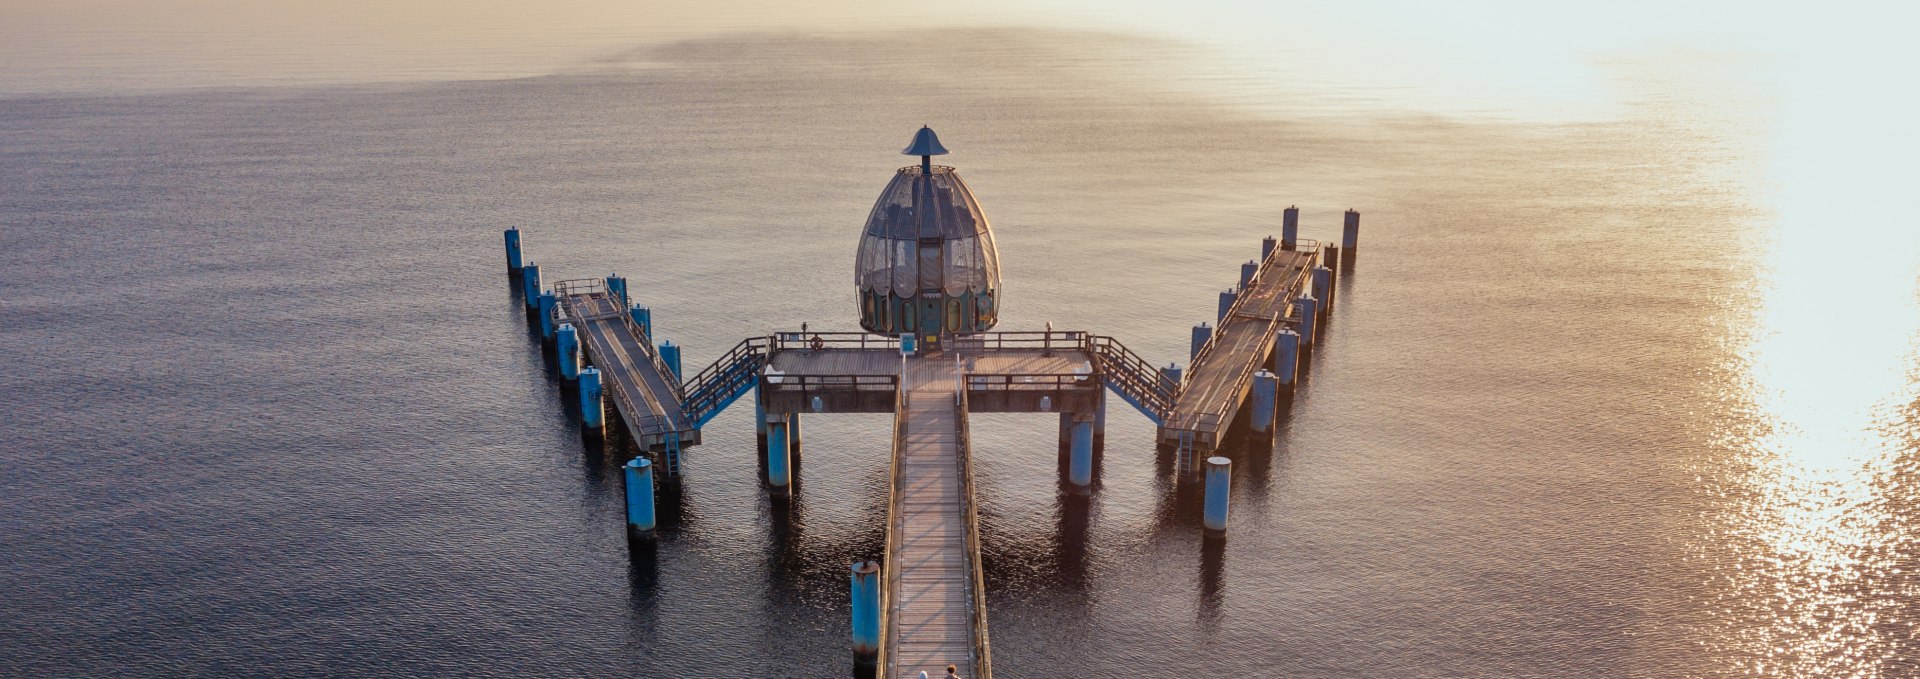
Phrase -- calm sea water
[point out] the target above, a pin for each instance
(269, 408)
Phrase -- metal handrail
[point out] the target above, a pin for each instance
(891, 557)
(977, 613)
(809, 383)
(1302, 245)
(1029, 381)
(800, 341)
(1063, 340)
(738, 368)
(1134, 375)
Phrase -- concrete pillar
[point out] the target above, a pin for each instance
(1219, 481)
(1247, 271)
(640, 516)
(1308, 309)
(592, 411)
(1286, 358)
(530, 285)
(1323, 289)
(1350, 234)
(1227, 298)
(566, 350)
(1080, 455)
(643, 317)
(670, 354)
(1289, 228)
(1267, 246)
(1266, 395)
(513, 252)
(547, 303)
(1201, 333)
(779, 462)
(866, 612)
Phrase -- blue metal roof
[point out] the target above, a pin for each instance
(925, 143)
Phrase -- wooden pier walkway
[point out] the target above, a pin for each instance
(642, 388)
(1218, 379)
(934, 603)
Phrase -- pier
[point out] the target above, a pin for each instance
(929, 288)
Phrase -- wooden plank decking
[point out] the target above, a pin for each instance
(1217, 381)
(930, 597)
(645, 395)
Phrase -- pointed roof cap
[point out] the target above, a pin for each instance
(924, 144)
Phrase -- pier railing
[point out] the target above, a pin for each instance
(977, 601)
(801, 341)
(891, 556)
(719, 384)
(1137, 380)
(1301, 245)
(1064, 340)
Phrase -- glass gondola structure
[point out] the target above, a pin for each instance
(927, 263)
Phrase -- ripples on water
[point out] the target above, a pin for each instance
(270, 409)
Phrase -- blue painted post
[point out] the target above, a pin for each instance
(640, 522)
(1266, 394)
(1323, 288)
(1289, 228)
(1100, 422)
(670, 353)
(547, 303)
(1267, 246)
(566, 350)
(779, 471)
(592, 411)
(866, 612)
(1246, 273)
(1219, 478)
(617, 285)
(1350, 235)
(1080, 462)
(1286, 358)
(793, 433)
(642, 317)
(1309, 309)
(1201, 333)
(1171, 376)
(530, 285)
(513, 251)
(1226, 301)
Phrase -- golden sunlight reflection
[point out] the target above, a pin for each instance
(1808, 584)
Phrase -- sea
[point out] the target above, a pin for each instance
(1593, 401)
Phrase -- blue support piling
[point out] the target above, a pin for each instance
(592, 411)
(1350, 235)
(1286, 358)
(545, 311)
(1267, 246)
(1219, 481)
(1266, 394)
(1247, 271)
(866, 612)
(566, 350)
(793, 432)
(1201, 333)
(1171, 376)
(643, 317)
(530, 285)
(1323, 288)
(670, 354)
(640, 514)
(617, 285)
(513, 251)
(1080, 455)
(1289, 228)
(1309, 310)
(779, 462)
(1227, 298)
